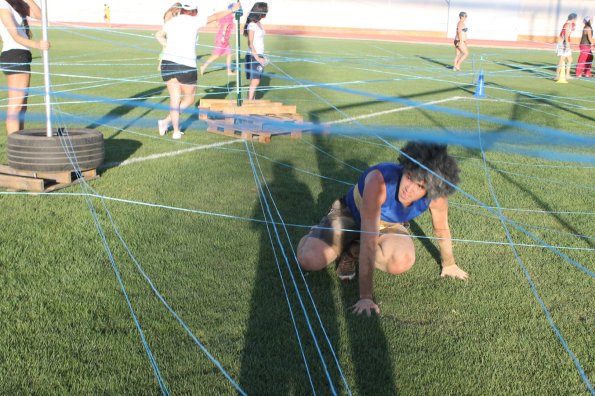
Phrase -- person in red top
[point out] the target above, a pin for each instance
(222, 46)
(563, 49)
(586, 58)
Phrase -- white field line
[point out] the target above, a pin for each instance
(361, 117)
(164, 155)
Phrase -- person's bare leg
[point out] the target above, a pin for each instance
(313, 254)
(395, 253)
(561, 62)
(229, 68)
(455, 64)
(18, 85)
(252, 90)
(175, 96)
(188, 92)
(204, 66)
(464, 54)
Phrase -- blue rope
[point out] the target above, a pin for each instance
(262, 198)
(74, 161)
(307, 287)
(168, 307)
(286, 259)
(525, 271)
(69, 150)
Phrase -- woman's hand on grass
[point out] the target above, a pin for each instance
(453, 271)
(366, 305)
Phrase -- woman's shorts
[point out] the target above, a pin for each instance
(222, 48)
(338, 228)
(184, 74)
(562, 50)
(15, 61)
(254, 69)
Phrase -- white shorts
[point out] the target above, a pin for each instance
(561, 51)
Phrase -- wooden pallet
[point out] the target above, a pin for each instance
(224, 116)
(18, 180)
(251, 131)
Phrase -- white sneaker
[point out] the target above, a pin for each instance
(162, 126)
(177, 135)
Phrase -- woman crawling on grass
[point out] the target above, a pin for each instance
(378, 210)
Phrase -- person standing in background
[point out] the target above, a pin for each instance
(563, 49)
(586, 57)
(15, 59)
(255, 60)
(178, 66)
(461, 50)
(107, 15)
(222, 46)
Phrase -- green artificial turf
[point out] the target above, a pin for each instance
(193, 223)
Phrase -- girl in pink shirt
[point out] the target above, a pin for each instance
(222, 46)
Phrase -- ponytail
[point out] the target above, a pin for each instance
(258, 11)
(23, 10)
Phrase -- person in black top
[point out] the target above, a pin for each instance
(586, 57)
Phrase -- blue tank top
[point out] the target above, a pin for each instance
(392, 210)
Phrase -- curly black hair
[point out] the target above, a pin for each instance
(435, 157)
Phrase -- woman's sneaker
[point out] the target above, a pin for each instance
(176, 135)
(162, 126)
(348, 261)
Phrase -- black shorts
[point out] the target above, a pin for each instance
(253, 68)
(339, 228)
(184, 74)
(15, 61)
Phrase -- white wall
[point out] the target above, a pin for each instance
(546, 17)
(488, 19)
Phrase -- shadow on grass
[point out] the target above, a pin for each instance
(316, 115)
(118, 151)
(534, 69)
(436, 62)
(426, 243)
(372, 365)
(273, 359)
(542, 100)
(120, 111)
(546, 207)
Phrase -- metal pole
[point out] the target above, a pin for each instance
(46, 68)
(238, 14)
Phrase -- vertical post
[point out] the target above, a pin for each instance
(238, 15)
(46, 68)
(447, 17)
